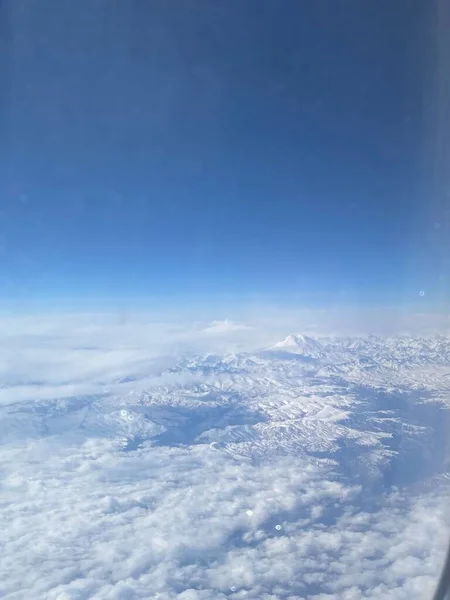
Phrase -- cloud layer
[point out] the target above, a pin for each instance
(110, 489)
(90, 521)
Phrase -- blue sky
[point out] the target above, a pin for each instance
(221, 149)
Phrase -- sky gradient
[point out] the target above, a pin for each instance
(205, 149)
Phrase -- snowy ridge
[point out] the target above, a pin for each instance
(268, 402)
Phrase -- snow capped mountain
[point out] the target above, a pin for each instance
(340, 396)
(300, 344)
(262, 459)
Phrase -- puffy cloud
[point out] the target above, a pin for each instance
(87, 520)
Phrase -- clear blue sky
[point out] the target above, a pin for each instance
(173, 149)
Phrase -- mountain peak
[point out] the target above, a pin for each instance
(300, 344)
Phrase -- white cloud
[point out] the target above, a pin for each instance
(225, 326)
(90, 521)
